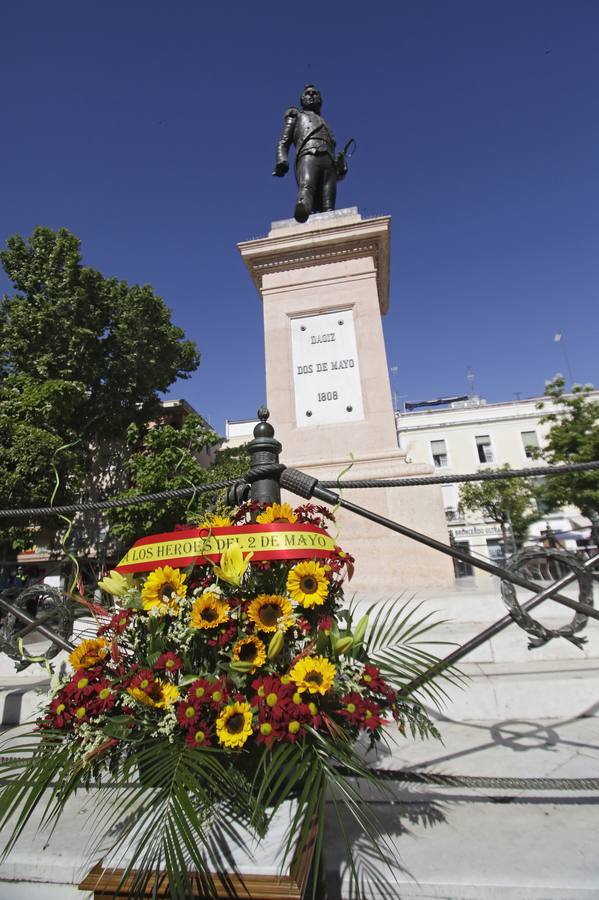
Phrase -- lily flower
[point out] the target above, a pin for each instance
(232, 565)
(115, 584)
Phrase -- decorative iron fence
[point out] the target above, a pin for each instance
(263, 483)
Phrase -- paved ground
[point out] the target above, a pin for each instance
(485, 843)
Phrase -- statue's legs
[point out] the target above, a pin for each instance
(316, 185)
(328, 188)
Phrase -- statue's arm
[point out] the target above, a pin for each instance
(282, 157)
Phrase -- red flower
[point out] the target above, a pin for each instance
(294, 731)
(376, 684)
(226, 636)
(371, 717)
(200, 691)
(304, 626)
(104, 699)
(325, 623)
(117, 623)
(266, 730)
(198, 736)
(59, 714)
(81, 685)
(170, 662)
(81, 714)
(144, 680)
(218, 692)
(272, 694)
(353, 705)
(187, 713)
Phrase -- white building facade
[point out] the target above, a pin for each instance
(473, 435)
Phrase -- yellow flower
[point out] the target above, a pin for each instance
(115, 583)
(232, 564)
(159, 694)
(214, 521)
(250, 649)
(270, 612)
(209, 611)
(163, 589)
(314, 674)
(234, 724)
(278, 512)
(308, 584)
(89, 653)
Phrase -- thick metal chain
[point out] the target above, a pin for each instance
(496, 475)
(264, 471)
(483, 781)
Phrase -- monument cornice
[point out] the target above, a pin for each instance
(301, 247)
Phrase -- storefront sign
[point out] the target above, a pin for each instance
(471, 530)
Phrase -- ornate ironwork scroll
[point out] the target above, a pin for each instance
(540, 634)
(46, 603)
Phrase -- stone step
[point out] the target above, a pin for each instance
(532, 842)
(536, 688)
(455, 849)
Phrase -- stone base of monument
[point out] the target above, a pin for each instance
(324, 286)
(386, 563)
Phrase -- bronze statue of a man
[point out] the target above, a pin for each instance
(317, 167)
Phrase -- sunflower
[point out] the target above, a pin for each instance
(159, 694)
(163, 590)
(209, 611)
(89, 653)
(308, 584)
(250, 649)
(270, 612)
(234, 724)
(214, 521)
(314, 674)
(278, 512)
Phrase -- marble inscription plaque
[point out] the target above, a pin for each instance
(326, 373)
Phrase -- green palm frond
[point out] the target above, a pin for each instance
(183, 818)
(397, 640)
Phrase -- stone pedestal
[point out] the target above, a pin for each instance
(324, 287)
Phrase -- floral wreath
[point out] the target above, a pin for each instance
(241, 669)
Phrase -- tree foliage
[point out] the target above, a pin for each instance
(510, 502)
(163, 456)
(82, 358)
(573, 437)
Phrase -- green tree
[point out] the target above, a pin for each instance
(83, 357)
(163, 456)
(573, 437)
(510, 502)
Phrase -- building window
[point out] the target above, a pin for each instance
(439, 452)
(530, 442)
(461, 568)
(484, 449)
(451, 502)
(495, 550)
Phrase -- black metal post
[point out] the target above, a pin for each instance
(264, 451)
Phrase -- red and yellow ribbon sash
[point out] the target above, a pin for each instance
(279, 540)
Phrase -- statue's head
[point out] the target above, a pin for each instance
(311, 98)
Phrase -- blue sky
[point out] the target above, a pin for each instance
(148, 129)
